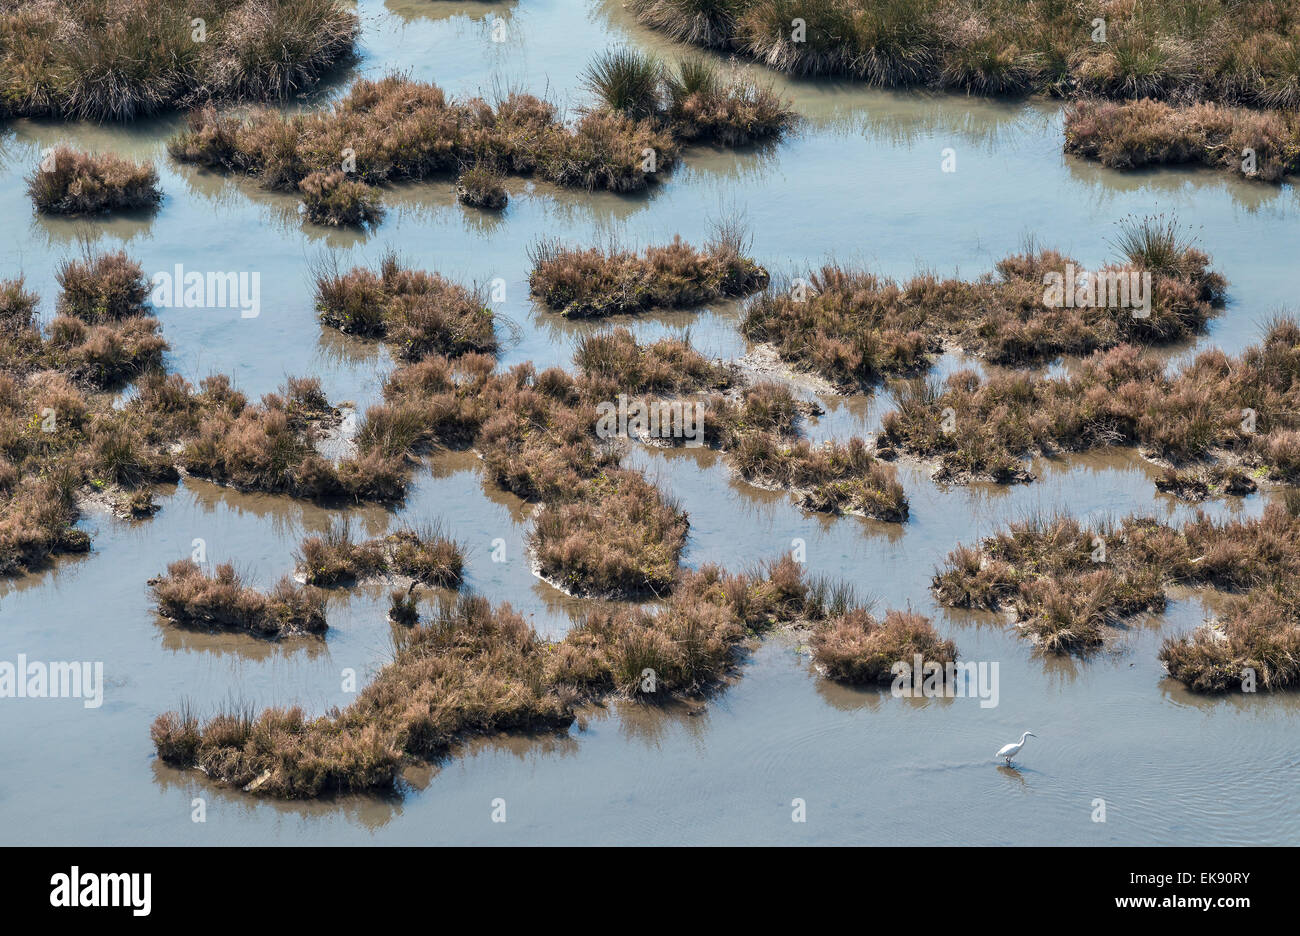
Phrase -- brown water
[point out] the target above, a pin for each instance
(860, 182)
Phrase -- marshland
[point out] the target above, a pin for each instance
(314, 440)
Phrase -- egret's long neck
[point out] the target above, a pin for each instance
(1023, 736)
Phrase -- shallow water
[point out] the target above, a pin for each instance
(861, 183)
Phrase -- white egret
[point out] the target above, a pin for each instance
(1009, 751)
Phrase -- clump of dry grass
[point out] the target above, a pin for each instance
(626, 81)
(1218, 409)
(612, 361)
(604, 530)
(190, 597)
(618, 537)
(402, 607)
(536, 435)
(237, 749)
(474, 669)
(401, 129)
(59, 431)
(65, 435)
(690, 644)
(271, 446)
(1067, 584)
(1257, 643)
(856, 328)
(104, 334)
(595, 282)
(888, 43)
(1131, 134)
(837, 326)
(17, 307)
(481, 186)
(703, 105)
(136, 504)
(707, 23)
(425, 555)
(100, 288)
(83, 183)
(334, 199)
(106, 355)
(760, 407)
(37, 520)
(333, 557)
(1226, 52)
(855, 647)
(22, 347)
(121, 59)
(1198, 482)
(757, 429)
(418, 313)
(1044, 568)
(832, 478)
(693, 100)
(754, 425)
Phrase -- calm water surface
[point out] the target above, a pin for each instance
(860, 182)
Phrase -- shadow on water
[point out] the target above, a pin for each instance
(371, 812)
(178, 639)
(476, 10)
